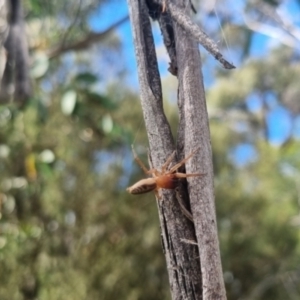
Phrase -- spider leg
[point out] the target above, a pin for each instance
(178, 165)
(140, 163)
(183, 175)
(157, 195)
(168, 161)
(154, 172)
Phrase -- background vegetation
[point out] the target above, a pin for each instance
(68, 229)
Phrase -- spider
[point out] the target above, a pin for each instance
(164, 179)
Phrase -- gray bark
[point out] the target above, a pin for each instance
(192, 29)
(182, 258)
(3, 34)
(183, 243)
(194, 133)
(15, 84)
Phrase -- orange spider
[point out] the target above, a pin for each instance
(164, 179)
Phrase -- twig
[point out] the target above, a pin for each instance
(271, 31)
(68, 31)
(200, 36)
(181, 203)
(191, 242)
(91, 38)
(273, 14)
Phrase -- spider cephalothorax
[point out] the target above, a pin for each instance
(164, 179)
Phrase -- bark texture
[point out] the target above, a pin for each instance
(184, 242)
(3, 34)
(182, 257)
(16, 83)
(194, 133)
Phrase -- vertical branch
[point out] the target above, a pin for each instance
(158, 129)
(3, 34)
(194, 133)
(16, 80)
(182, 258)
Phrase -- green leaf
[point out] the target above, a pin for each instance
(45, 170)
(107, 124)
(47, 156)
(86, 78)
(68, 102)
(40, 65)
(105, 101)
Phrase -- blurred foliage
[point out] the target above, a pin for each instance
(68, 229)
(257, 201)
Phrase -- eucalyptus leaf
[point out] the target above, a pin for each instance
(107, 124)
(68, 102)
(86, 78)
(47, 156)
(105, 101)
(40, 65)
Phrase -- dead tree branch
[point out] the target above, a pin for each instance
(182, 258)
(194, 133)
(16, 83)
(190, 278)
(3, 34)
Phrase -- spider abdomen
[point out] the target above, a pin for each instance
(143, 186)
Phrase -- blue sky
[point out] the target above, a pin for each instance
(278, 119)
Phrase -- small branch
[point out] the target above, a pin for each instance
(191, 242)
(3, 35)
(271, 31)
(273, 14)
(179, 197)
(3, 21)
(90, 39)
(67, 33)
(16, 72)
(201, 37)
